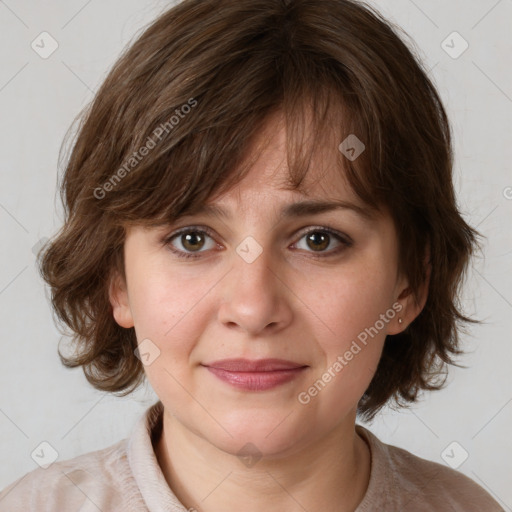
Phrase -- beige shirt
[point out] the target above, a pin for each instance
(126, 477)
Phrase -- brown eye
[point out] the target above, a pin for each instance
(323, 242)
(192, 241)
(317, 240)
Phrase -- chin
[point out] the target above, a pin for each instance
(272, 435)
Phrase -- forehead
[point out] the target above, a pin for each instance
(268, 177)
(267, 185)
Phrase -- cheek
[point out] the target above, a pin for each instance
(165, 312)
(349, 301)
(162, 297)
(167, 309)
(351, 305)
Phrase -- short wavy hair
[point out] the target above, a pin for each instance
(194, 89)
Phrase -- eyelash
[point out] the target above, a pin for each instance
(345, 240)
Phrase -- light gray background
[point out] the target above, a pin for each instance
(42, 401)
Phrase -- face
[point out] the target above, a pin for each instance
(262, 284)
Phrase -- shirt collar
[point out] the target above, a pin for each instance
(144, 464)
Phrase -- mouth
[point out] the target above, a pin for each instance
(255, 375)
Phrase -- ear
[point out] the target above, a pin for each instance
(118, 295)
(411, 306)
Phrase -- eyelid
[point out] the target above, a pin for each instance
(326, 228)
(210, 232)
(186, 229)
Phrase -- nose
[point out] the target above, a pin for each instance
(255, 297)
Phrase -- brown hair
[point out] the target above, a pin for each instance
(194, 90)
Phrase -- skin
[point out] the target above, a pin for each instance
(286, 304)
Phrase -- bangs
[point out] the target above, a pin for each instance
(209, 163)
(201, 146)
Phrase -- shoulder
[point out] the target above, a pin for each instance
(98, 477)
(400, 480)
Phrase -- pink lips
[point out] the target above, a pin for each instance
(255, 375)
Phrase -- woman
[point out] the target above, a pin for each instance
(260, 220)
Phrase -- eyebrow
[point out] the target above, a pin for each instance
(293, 210)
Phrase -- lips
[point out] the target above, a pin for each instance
(247, 365)
(255, 375)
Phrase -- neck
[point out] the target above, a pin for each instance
(328, 474)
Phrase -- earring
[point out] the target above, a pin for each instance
(400, 321)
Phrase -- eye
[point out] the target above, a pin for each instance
(192, 240)
(318, 239)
